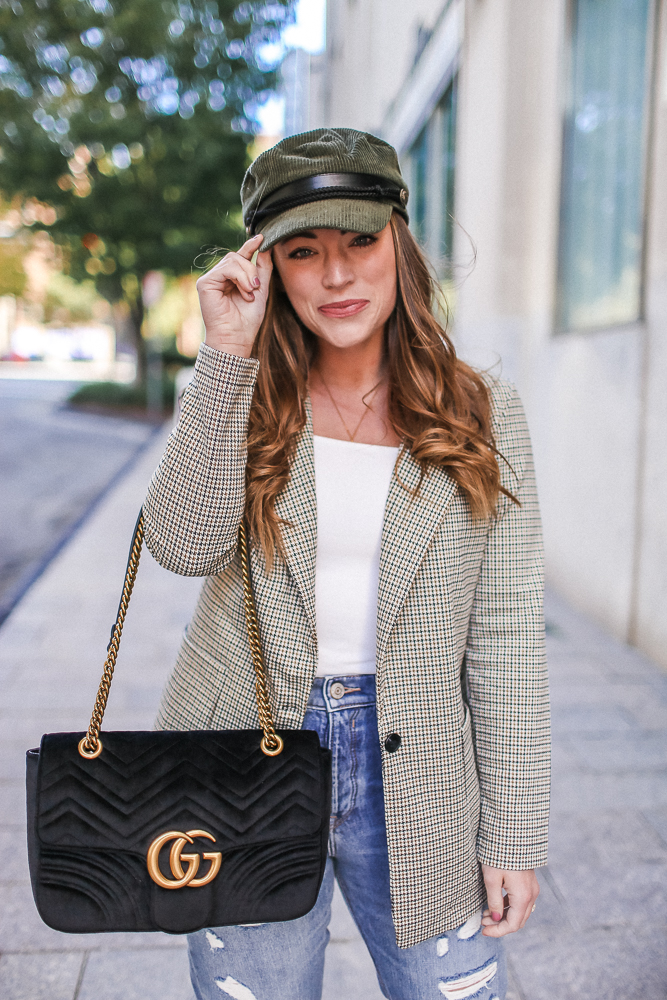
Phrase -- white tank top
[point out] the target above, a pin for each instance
(352, 482)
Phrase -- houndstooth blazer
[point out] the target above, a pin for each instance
(461, 672)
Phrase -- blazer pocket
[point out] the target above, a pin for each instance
(471, 776)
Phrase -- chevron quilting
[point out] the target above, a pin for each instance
(94, 820)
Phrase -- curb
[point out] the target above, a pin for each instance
(9, 603)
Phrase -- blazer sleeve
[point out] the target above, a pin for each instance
(506, 670)
(196, 497)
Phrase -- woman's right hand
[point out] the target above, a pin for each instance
(232, 296)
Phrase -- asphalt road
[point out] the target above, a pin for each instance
(54, 465)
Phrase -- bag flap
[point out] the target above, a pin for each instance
(146, 783)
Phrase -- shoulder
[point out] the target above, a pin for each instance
(503, 396)
(509, 424)
(507, 413)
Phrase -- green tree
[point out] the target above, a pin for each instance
(12, 275)
(132, 118)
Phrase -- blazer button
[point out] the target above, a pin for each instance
(392, 743)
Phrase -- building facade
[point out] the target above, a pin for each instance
(534, 142)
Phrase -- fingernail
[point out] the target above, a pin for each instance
(255, 282)
(496, 916)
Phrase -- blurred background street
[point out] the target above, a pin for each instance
(55, 463)
(533, 138)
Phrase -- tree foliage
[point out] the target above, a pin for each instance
(12, 276)
(132, 118)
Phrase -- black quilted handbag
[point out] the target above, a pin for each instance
(175, 831)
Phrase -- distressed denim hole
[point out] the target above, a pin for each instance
(233, 988)
(214, 942)
(464, 987)
(470, 927)
(442, 946)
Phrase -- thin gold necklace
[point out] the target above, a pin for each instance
(370, 392)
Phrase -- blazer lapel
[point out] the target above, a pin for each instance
(409, 525)
(410, 521)
(298, 505)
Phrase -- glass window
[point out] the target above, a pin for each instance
(448, 111)
(431, 161)
(602, 190)
(419, 194)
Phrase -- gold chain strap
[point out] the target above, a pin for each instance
(272, 744)
(91, 744)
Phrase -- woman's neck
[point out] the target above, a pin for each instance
(349, 395)
(352, 369)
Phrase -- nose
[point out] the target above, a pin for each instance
(337, 270)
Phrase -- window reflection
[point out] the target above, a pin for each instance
(431, 169)
(602, 190)
(419, 158)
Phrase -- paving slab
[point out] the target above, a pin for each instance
(40, 976)
(618, 836)
(621, 752)
(657, 817)
(134, 974)
(623, 963)
(348, 968)
(589, 718)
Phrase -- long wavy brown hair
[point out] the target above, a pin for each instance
(438, 405)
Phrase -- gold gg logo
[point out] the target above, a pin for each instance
(176, 858)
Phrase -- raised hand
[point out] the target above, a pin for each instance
(232, 296)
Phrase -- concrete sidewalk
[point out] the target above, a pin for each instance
(600, 925)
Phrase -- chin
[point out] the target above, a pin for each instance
(344, 333)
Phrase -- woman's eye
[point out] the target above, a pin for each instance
(363, 240)
(300, 253)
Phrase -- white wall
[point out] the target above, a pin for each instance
(585, 392)
(649, 625)
(596, 401)
(371, 46)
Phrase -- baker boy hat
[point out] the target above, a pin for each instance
(330, 178)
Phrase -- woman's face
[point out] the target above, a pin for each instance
(342, 285)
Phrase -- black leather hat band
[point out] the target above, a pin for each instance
(367, 187)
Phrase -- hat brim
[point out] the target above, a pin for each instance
(353, 214)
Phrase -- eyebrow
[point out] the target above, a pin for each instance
(305, 235)
(308, 234)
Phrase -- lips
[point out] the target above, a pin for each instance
(339, 310)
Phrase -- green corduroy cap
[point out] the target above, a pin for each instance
(330, 178)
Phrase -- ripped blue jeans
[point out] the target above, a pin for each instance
(285, 961)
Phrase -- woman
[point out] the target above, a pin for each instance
(390, 496)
